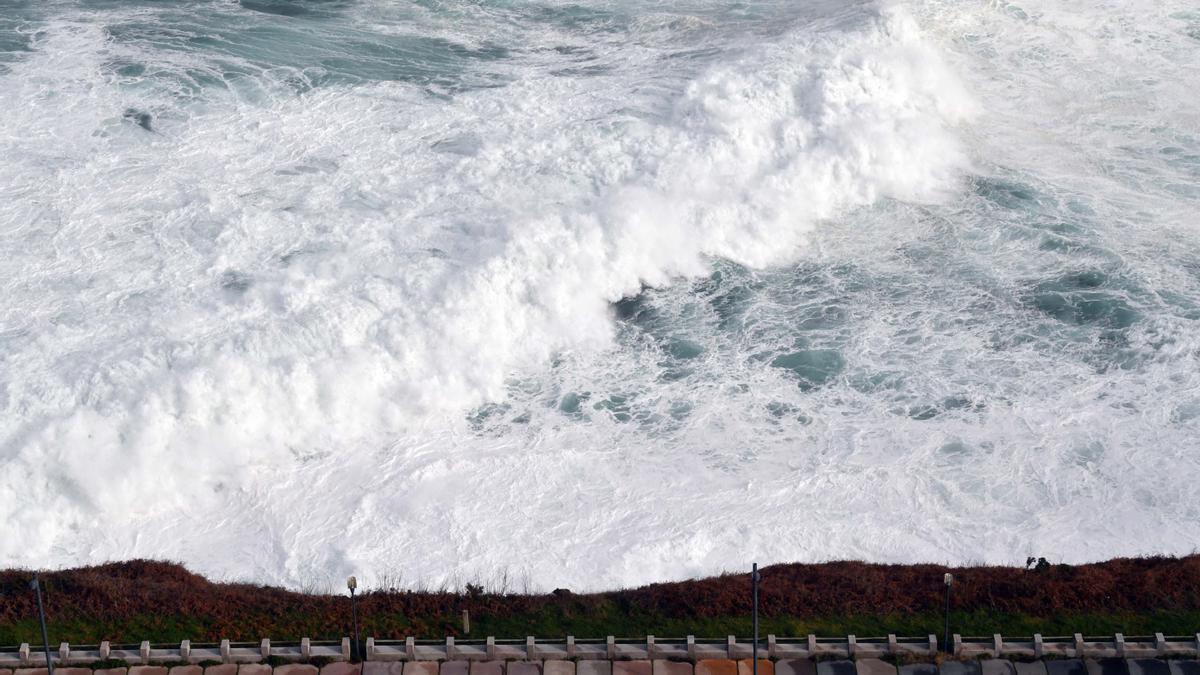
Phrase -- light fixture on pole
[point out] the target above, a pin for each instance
(949, 581)
(37, 587)
(352, 584)
(754, 593)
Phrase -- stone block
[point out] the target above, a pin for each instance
(487, 668)
(420, 668)
(186, 670)
(298, 669)
(920, 669)
(960, 668)
(874, 667)
(839, 667)
(254, 669)
(796, 667)
(1184, 667)
(125, 671)
(640, 667)
(523, 668)
(452, 668)
(141, 670)
(1136, 667)
(664, 667)
(384, 668)
(716, 667)
(1106, 666)
(746, 667)
(1065, 667)
(592, 668)
(997, 667)
(345, 668)
(223, 669)
(1030, 668)
(556, 667)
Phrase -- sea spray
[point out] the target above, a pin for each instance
(582, 290)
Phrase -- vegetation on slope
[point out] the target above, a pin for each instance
(163, 602)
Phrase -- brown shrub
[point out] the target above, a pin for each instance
(168, 591)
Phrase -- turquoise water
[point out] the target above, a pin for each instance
(598, 292)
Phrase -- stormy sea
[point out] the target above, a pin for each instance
(596, 292)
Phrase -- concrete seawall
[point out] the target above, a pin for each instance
(689, 649)
(864, 666)
(1076, 655)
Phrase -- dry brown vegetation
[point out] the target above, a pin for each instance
(161, 601)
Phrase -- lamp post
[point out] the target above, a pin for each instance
(352, 584)
(754, 593)
(37, 587)
(949, 581)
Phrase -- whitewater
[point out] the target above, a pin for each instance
(598, 292)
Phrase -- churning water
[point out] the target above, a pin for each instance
(599, 291)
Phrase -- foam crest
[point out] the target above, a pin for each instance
(583, 291)
(261, 281)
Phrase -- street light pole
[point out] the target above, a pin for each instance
(352, 584)
(42, 616)
(949, 581)
(754, 591)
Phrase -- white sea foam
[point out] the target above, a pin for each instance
(313, 324)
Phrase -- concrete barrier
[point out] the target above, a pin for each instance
(1065, 667)
(1148, 667)
(1184, 667)
(553, 662)
(960, 668)
(811, 655)
(746, 667)
(795, 667)
(1106, 666)
(716, 667)
(388, 668)
(558, 668)
(295, 669)
(838, 667)
(997, 667)
(639, 667)
(664, 667)
(418, 668)
(871, 666)
(593, 668)
(920, 669)
(1034, 668)
(524, 668)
